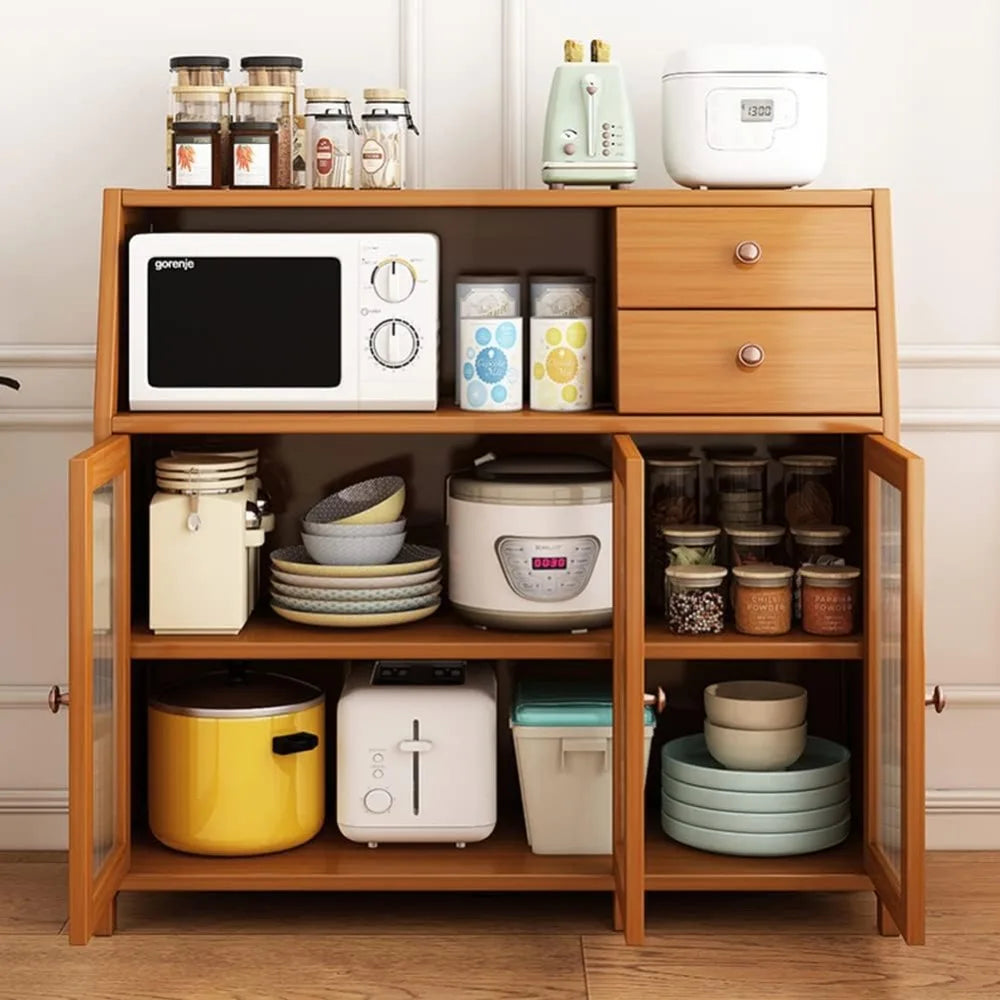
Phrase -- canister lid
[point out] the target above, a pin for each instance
(253, 127)
(762, 574)
(199, 62)
(820, 533)
(262, 92)
(193, 93)
(690, 532)
(697, 576)
(818, 463)
(739, 463)
(760, 59)
(186, 128)
(671, 462)
(384, 94)
(756, 533)
(325, 94)
(283, 62)
(556, 480)
(238, 694)
(565, 703)
(829, 576)
(561, 280)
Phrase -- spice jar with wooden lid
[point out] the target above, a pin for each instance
(384, 127)
(810, 489)
(819, 544)
(330, 132)
(829, 599)
(197, 155)
(673, 496)
(762, 599)
(271, 104)
(755, 545)
(690, 544)
(695, 604)
(255, 154)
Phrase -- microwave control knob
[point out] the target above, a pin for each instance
(377, 800)
(394, 343)
(394, 280)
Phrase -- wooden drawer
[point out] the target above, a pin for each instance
(686, 361)
(810, 258)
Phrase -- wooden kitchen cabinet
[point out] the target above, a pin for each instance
(674, 309)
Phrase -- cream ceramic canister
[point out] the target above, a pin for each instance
(490, 362)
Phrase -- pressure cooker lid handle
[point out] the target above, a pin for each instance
(294, 743)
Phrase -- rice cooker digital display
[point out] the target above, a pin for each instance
(548, 569)
(757, 110)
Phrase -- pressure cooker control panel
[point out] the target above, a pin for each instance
(548, 569)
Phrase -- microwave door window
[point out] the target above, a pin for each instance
(244, 322)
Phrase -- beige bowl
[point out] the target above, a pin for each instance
(755, 704)
(755, 750)
(372, 501)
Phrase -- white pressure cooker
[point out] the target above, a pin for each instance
(529, 543)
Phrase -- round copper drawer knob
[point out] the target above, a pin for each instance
(57, 698)
(748, 252)
(750, 356)
(937, 700)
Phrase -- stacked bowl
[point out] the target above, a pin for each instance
(755, 784)
(354, 567)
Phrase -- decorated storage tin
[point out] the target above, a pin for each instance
(489, 346)
(562, 343)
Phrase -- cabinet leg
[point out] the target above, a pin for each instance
(618, 919)
(107, 920)
(883, 920)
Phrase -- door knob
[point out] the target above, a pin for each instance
(937, 700)
(57, 698)
(658, 701)
(750, 356)
(747, 252)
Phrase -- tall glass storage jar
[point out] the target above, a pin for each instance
(673, 496)
(283, 71)
(191, 71)
(810, 490)
(271, 104)
(384, 125)
(330, 132)
(739, 490)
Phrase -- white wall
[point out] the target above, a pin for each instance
(914, 87)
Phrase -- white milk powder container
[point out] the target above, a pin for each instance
(745, 116)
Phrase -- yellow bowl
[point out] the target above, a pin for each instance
(388, 510)
(372, 501)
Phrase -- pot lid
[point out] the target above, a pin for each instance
(761, 59)
(238, 694)
(534, 479)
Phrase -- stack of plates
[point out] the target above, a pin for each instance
(404, 590)
(801, 809)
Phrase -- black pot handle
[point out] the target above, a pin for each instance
(294, 743)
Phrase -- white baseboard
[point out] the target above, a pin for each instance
(33, 819)
(963, 819)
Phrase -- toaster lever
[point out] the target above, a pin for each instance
(415, 746)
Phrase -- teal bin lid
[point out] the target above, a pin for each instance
(564, 703)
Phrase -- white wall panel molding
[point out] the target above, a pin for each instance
(42, 418)
(26, 695)
(513, 107)
(411, 77)
(47, 355)
(949, 356)
(33, 801)
(963, 801)
(951, 419)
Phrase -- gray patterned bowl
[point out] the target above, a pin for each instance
(338, 529)
(366, 550)
(372, 501)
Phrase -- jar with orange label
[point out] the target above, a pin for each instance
(762, 598)
(829, 599)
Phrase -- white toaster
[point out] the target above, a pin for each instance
(417, 753)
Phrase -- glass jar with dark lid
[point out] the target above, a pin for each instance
(272, 71)
(199, 71)
(255, 154)
(197, 155)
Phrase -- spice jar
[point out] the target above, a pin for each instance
(690, 544)
(810, 489)
(819, 544)
(330, 132)
(197, 157)
(762, 599)
(829, 599)
(695, 604)
(383, 138)
(255, 154)
(562, 343)
(191, 103)
(756, 545)
(271, 104)
(739, 489)
(199, 71)
(283, 71)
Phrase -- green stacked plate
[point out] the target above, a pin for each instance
(799, 810)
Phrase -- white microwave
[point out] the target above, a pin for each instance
(283, 321)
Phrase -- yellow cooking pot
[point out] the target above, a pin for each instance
(236, 763)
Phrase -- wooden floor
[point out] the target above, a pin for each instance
(266, 946)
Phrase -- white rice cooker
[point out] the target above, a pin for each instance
(745, 116)
(529, 543)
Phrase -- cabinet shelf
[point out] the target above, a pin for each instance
(673, 867)
(442, 636)
(329, 862)
(733, 645)
(450, 419)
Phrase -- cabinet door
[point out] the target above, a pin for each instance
(894, 683)
(99, 614)
(628, 667)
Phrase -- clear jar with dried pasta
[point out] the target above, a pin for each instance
(762, 599)
(810, 489)
(829, 599)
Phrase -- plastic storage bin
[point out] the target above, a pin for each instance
(562, 741)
